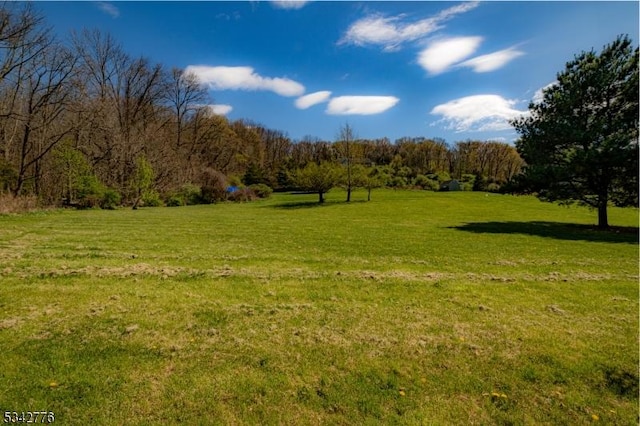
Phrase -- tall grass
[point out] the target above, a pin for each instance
(17, 204)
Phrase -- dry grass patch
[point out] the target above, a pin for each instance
(10, 204)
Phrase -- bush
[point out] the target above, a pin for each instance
(175, 201)
(234, 181)
(440, 177)
(425, 183)
(214, 188)
(90, 191)
(242, 195)
(110, 199)
(151, 198)
(190, 194)
(468, 177)
(466, 186)
(404, 172)
(479, 183)
(398, 182)
(493, 187)
(261, 190)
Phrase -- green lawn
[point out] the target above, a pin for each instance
(414, 308)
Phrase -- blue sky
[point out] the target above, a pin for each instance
(453, 70)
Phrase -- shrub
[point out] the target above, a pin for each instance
(20, 204)
(110, 199)
(89, 191)
(151, 198)
(190, 194)
(425, 183)
(440, 177)
(398, 182)
(479, 183)
(215, 186)
(242, 195)
(468, 177)
(175, 201)
(493, 187)
(234, 181)
(261, 190)
(466, 186)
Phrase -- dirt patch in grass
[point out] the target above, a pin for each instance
(397, 275)
(10, 323)
(271, 274)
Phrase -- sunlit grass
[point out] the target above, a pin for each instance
(418, 308)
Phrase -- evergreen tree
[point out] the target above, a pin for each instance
(580, 143)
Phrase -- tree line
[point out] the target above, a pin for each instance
(82, 122)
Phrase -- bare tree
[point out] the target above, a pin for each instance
(41, 118)
(185, 95)
(123, 103)
(346, 139)
(23, 36)
(35, 77)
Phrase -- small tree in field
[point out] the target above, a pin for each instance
(142, 180)
(319, 178)
(580, 144)
(346, 139)
(366, 177)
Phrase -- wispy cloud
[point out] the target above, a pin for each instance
(311, 99)
(477, 113)
(108, 8)
(391, 32)
(440, 55)
(360, 105)
(227, 17)
(243, 78)
(289, 4)
(492, 61)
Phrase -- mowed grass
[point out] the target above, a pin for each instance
(414, 308)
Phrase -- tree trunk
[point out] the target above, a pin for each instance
(369, 194)
(603, 221)
(321, 197)
(349, 193)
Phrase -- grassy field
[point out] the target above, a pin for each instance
(414, 308)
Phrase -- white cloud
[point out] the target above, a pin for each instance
(492, 61)
(220, 109)
(378, 30)
(538, 96)
(456, 10)
(108, 8)
(478, 113)
(243, 78)
(497, 139)
(442, 54)
(311, 99)
(391, 32)
(289, 4)
(360, 105)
